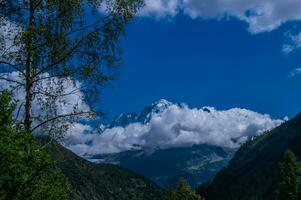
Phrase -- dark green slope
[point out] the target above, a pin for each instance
(253, 172)
(104, 181)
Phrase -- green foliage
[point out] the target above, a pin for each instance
(75, 40)
(182, 192)
(253, 173)
(290, 177)
(6, 109)
(103, 181)
(27, 170)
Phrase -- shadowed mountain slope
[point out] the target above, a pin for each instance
(253, 172)
(103, 181)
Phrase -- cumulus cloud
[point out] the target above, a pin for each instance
(64, 105)
(8, 37)
(79, 134)
(260, 15)
(168, 125)
(161, 8)
(178, 126)
(294, 73)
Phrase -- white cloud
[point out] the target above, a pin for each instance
(173, 126)
(9, 41)
(294, 42)
(79, 134)
(179, 126)
(161, 8)
(260, 15)
(295, 72)
(64, 105)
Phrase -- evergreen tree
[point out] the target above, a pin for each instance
(27, 170)
(182, 192)
(289, 183)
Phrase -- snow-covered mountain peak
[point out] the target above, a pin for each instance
(162, 103)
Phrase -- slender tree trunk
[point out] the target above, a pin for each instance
(29, 71)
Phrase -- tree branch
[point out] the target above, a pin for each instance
(88, 26)
(70, 52)
(77, 30)
(19, 109)
(58, 117)
(54, 76)
(12, 66)
(12, 81)
(75, 91)
(7, 50)
(7, 14)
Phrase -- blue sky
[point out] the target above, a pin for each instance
(206, 62)
(220, 53)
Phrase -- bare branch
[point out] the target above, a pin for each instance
(12, 81)
(70, 52)
(7, 50)
(37, 5)
(19, 109)
(11, 12)
(88, 26)
(54, 76)
(75, 91)
(59, 117)
(12, 66)
(79, 29)
(16, 87)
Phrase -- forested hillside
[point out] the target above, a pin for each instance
(103, 181)
(253, 173)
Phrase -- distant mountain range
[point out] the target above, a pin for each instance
(253, 172)
(197, 164)
(250, 172)
(145, 115)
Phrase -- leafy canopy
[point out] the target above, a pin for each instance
(55, 45)
(182, 192)
(27, 170)
(290, 177)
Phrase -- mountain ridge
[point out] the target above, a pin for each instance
(137, 152)
(103, 181)
(253, 172)
(143, 117)
(197, 164)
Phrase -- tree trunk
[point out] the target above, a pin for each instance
(29, 71)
